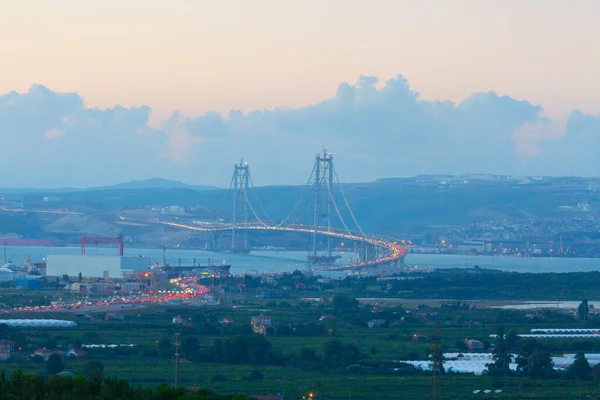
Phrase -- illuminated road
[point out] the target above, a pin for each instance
(392, 251)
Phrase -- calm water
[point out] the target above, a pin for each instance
(257, 261)
(276, 261)
(518, 264)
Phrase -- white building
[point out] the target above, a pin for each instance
(94, 266)
(173, 210)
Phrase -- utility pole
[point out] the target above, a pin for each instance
(437, 366)
(176, 360)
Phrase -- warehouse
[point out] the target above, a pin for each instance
(94, 266)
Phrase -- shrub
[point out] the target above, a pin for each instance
(219, 378)
(255, 375)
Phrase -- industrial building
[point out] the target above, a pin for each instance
(94, 266)
(24, 283)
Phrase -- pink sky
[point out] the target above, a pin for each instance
(198, 56)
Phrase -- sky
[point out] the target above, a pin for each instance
(100, 92)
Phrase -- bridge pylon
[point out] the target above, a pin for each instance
(240, 182)
(322, 200)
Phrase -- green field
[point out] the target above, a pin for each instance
(146, 327)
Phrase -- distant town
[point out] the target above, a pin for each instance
(522, 216)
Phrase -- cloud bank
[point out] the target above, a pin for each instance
(52, 140)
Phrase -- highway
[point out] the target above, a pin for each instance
(393, 251)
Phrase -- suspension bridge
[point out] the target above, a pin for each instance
(324, 204)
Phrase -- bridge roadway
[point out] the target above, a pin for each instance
(393, 252)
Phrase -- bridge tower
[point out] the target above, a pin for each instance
(323, 193)
(240, 181)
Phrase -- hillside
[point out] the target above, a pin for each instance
(389, 206)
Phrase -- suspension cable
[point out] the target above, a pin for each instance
(258, 199)
(308, 205)
(299, 200)
(347, 204)
(254, 212)
(338, 213)
(227, 193)
(294, 209)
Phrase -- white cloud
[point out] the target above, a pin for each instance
(53, 134)
(373, 130)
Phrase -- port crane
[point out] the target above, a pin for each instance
(96, 240)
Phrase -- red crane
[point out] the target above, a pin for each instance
(85, 240)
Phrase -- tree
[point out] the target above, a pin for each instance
(54, 364)
(596, 372)
(336, 354)
(344, 303)
(580, 369)
(511, 339)
(66, 278)
(583, 310)
(80, 277)
(540, 364)
(502, 357)
(190, 345)
(255, 375)
(37, 359)
(243, 350)
(522, 364)
(309, 359)
(92, 366)
(165, 348)
(4, 331)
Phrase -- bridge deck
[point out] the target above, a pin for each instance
(396, 252)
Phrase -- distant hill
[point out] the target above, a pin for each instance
(155, 183)
(27, 226)
(388, 206)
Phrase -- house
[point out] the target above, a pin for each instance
(173, 210)
(260, 324)
(376, 323)
(419, 338)
(6, 349)
(225, 322)
(473, 344)
(114, 317)
(77, 353)
(266, 397)
(46, 353)
(326, 317)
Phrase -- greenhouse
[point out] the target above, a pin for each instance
(38, 323)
